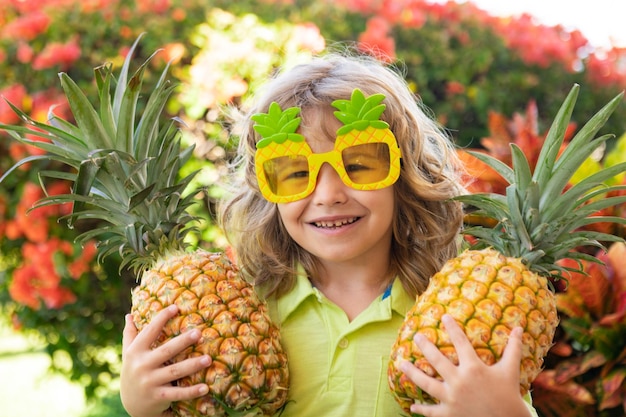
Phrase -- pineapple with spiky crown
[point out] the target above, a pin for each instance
(126, 175)
(504, 280)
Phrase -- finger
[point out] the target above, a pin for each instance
(461, 343)
(433, 355)
(426, 383)
(424, 409)
(151, 332)
(512, 354)
(175, 371)
(129, 333)
(171, 348)
(176, 393)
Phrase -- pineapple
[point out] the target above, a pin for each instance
(504, 279)
(127, 176)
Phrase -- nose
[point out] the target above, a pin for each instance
(329, 189)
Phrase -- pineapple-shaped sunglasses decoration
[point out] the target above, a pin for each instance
(366, 155)
(504, 281)
(126, 175)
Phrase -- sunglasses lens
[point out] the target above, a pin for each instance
(287, 175)
(367, 163)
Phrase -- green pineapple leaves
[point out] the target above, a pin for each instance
(540, 218)
(277, 125)
(360, 112)
(124, 166)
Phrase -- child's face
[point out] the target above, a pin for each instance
(337, 223)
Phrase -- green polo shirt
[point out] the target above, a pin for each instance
(338, 368)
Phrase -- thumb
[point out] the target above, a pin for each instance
(129, 334)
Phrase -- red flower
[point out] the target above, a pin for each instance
(24, 53)
(607, 68)
(46, 101)
(82, 265)
(454, 88)
(23, 287)
(153, 6)
(15, 94)
(376, 40)
(26, 27)
(56, 53)
(37, 279)
(34, 225)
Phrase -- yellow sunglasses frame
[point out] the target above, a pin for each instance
(334, 159)
(360, 115)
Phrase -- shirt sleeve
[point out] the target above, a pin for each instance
(529, 403)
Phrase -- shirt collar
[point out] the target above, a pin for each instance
(398, 299)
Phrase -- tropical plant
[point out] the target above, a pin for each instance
(585, 372)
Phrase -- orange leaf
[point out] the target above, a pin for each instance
(571, 303)
(547, 380)
(594, 288)
(612, 393)
(569, 369)
(482, 177)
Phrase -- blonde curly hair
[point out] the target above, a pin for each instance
(427, 223)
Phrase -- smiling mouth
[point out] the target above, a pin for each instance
(335, 224)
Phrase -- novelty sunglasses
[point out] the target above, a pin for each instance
(366, 155)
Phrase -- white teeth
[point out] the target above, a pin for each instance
(336, 223)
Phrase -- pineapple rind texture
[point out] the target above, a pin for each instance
(489, 295)
(249, 371)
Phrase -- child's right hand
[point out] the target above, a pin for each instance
(146, 386)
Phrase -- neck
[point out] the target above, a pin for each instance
(354, 287)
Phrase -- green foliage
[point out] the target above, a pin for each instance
(108, 406)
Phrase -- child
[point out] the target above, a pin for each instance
(340, 264)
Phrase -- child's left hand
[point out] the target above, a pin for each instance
(471, 388)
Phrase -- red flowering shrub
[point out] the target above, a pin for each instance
(464, 62)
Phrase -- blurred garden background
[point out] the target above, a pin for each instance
(490, 80)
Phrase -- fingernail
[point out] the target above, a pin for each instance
(172, 308)
(203, 389)
(128, 318)
(418, 338)
(194, 334)
(205, 360)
